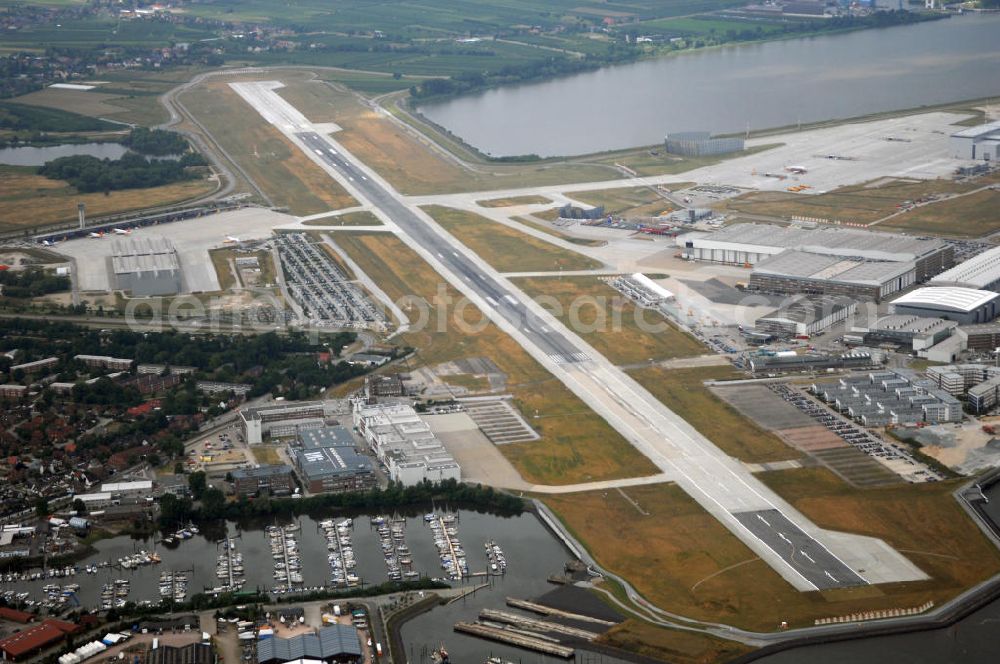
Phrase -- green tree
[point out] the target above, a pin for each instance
(213, 503)
(79, 507)
(197, 484)
(41, 507)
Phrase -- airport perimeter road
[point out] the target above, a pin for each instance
(719, 483)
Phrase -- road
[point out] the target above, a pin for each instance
(719, 483)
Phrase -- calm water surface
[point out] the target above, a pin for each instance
(28, 156)
(725, 90)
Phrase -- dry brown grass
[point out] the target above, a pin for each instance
(359, 218)
(627, 201)
(85, 102)
(609, 321)
(278, 167)
(221, 262)
(856, 203)
(683, 560)
(682, 391)
(510, 202)
(672, 645)
(507, 249)
(28, 200)
(576, 445)
(974, 215)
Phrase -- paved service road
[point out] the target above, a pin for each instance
(816, 563)
(719, 483)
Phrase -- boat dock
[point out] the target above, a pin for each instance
(534, 624)
(449, 547)
(511, 637)
(543, 610)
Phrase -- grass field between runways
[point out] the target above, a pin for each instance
(507, 249)
(610, 322)
(576, 445)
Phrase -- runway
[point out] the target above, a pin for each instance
(720, 484)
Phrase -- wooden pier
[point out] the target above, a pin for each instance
(543, 610)
(534, 624)
(514, 638)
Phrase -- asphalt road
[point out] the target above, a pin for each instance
(555, 345)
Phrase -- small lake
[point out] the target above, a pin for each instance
(727, 89)
(31, 156)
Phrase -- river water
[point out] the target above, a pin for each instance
(29, 156)
(728, 89)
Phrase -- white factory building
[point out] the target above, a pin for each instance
(281, 419)
(404, 444)
(981, 272)
(967, 306)
(979, 142)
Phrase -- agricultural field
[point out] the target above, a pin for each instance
(613, 320)
(504, 248)
(683, 391)
(29, 200)
(576, 445)
(684, 561)
(709, 26)
(278, 167)
(862, 203)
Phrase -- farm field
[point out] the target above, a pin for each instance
(28, 200)
(608, 321)
(576, 444)
(504, 248)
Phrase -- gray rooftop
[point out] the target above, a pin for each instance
(978, 130)
(261, 471)
(833, 241)
(806, 265)
(979, 271)
(338, 436)
(143, 254)
(328, 642)
(326, 462)
(809, 309)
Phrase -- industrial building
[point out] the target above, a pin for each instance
(327, 461)
(802, 272)
(275, 480)
(957, 379)
(333, 643)
(641, 289)
(806, 316)
(966, 306)
(138, 488)
(749, 244)
(383, 385)
(146, 266)
(31, 641)
(405, 444)
(985, 396)
(701, 144)
(979, 142)
(913, 331)
(281, 419)
(858, 359)
(980, 338)
(894, 397)
(981, 271)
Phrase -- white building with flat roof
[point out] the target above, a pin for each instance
(981, 271)
(979, 142)
(405, 444)
(136, 488)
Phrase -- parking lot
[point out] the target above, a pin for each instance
(321, 288)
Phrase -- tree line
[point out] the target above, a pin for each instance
(156, 142)
(132, 171)
(31, 283)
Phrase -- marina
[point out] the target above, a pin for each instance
(229, 568)
(445, 530)
(173, 586)
(341, 557)
(497, 561)
(392, 539)
(285, 556)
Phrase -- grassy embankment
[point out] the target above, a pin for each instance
(608, 321)
(278, 167)
(627, 201)
(537, 222)
(683, 560)
(359, 218)
(576, 444)
(29, 200)
(507, 249)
